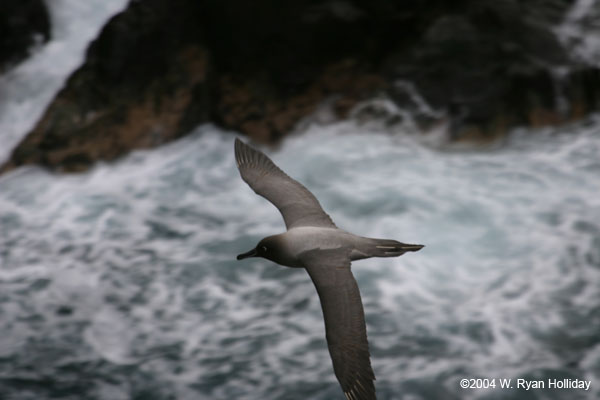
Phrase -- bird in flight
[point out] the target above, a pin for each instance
(313, 242)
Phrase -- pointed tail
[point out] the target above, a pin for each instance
(391, 248)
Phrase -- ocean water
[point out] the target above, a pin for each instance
(28, 88)
(122, 283)
(580, 31)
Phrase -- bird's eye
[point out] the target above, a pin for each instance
(264, 248)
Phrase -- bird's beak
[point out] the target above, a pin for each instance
(251, 253)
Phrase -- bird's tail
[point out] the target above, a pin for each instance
(390, 248)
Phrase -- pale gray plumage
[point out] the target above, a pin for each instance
(298, 206)
(312, 241)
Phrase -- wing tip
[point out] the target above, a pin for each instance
(240, 149)
(237, 144)
(359, 392)
(246, 154)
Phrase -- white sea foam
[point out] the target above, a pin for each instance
(26, 90)
(126, 274)
(580, 31)
(142, 252)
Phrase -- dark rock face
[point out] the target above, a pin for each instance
(161, 67)
(488, 63)
(142, 80)
(278, 60)
(22, 24)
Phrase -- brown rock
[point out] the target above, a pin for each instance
(161, 67)
(67, 140)
(260, 111)
(140, 86)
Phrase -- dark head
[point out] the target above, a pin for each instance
(267, 248)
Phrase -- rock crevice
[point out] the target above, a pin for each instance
(161, 67)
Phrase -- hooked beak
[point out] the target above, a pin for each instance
(251, 253)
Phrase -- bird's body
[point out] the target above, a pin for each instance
(293, 243)
(312, 241)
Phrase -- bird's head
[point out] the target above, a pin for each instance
(267, 248)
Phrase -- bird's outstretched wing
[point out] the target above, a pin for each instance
(344, 321)
(297, 205)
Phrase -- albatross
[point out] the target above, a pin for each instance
(313, 242)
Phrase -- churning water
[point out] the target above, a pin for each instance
(122, 283)
(26, 90)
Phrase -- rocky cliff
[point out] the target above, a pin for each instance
(161, 67)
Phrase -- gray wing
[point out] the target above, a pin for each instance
(297, 205)
(344, 321)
